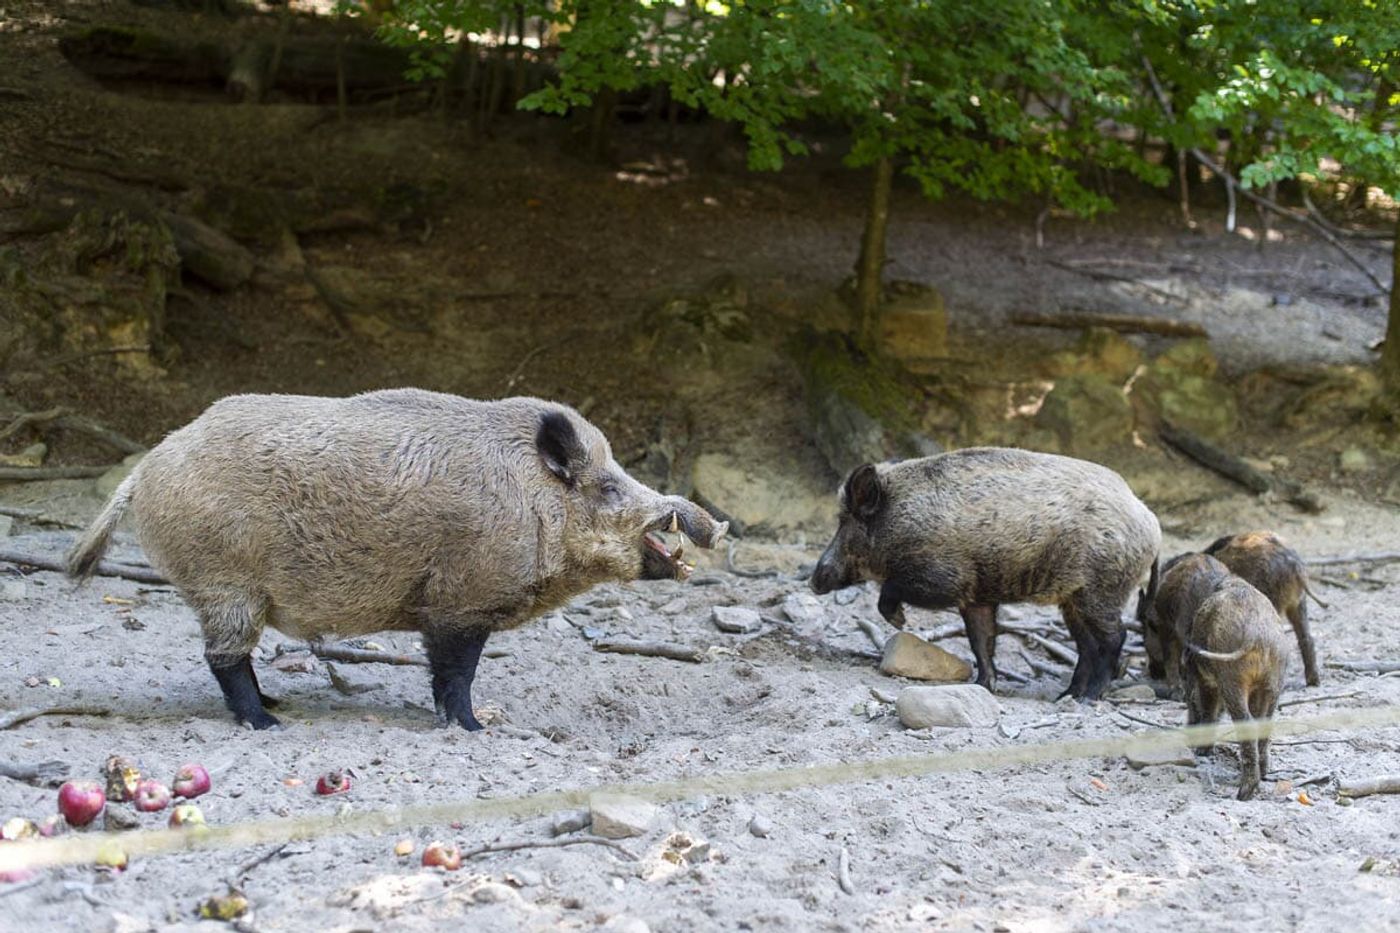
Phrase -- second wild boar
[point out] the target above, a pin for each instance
(1279, 573)
(1234, 657)
(976, 528)
(399, 510)
(1186, 580)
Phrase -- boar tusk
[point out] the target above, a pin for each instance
(675, 522)
(676, 554)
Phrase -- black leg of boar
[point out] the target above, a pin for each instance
(981, 622)
(978, 528)
(399, 510)
(453, 656)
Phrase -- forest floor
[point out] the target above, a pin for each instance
(520, 268)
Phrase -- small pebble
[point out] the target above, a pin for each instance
(760, 826)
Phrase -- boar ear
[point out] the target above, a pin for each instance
(560, 448)
(865, 497)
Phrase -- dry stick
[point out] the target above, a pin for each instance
(42, 774)
(1339, 231)
(843, 872)
(104, 568)
(15, 717)
(1382, 558)
(1123, 323)
(652, 649)
(872, 632)
(30, 417)
(1258, 199)
(1386, 784)
(548, 844)
(348, 655)
(1366, 667)
(1231, 467)
(248, 866)
(1051, 648)
(525, 360)
(1139, 719)
(1053, 670)
(84, 354)
(1331, 696)
(26, 474)
(35, 516)
(1115, 277)
(100, 432)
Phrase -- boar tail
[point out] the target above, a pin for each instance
(1216, 655)
(82, 560)
(1307, 589)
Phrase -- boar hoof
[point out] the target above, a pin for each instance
(261, 721)
(1247, 790)
(466, 720)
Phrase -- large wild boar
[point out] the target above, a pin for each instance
(1186, 580)
(1235, 655)
(394, 510)
(976, 528)
(1279, 573)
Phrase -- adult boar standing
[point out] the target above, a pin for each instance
(396, 510)
(976, 528)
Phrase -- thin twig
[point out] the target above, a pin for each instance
(557, 843)
(1138, 719)
(27, 474)
(843, 872)
(1123, 323)
(1258, 199)
(31, 417)
(1366, 667)
(1115, 277)
(1052, 648)
(347, 654)
(84, 354)
(15, 717)
(106, 435)
(1340, 231)
(248, 866)
(1042, 667)
(652, 649)
(872, 632)
(1385, 557)
(18, 886)
(1331, 696)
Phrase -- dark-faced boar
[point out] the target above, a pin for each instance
(1234, 656)
(984, 526)
(1279, 573)
(1186, 580)
(398, 510)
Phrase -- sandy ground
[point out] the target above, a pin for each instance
(1075, 845)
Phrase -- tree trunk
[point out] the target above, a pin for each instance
(870, 266)
(1390, 352)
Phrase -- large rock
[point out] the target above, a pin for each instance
(908, 655)
(1181, 387)
(1100, 351)
(914, 326)
(1087, 413)
(952, 706)
(804, 609)
(616, 816)
(759, 498)
(736, 620)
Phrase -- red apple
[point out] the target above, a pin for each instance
(152, 796)
(18, 828)
(442, 855)
(334, 782)
(190, 781)
(122, 776)
(80, 802)
(186, 814)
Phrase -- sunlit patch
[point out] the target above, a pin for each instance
(680, 851)
(1024, 399)
(654, 173)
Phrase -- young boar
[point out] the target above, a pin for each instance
(1279, 573)
(1186, 580)
(1235, 654)
(984, 526)
(398, 510)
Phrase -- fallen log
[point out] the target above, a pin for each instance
(1235, 469)
(104, 568)
(1365, 667)
(209, 254)
(28, 474)
(1386, 784)
(1123, 323)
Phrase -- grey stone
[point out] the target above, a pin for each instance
(1133, 692)
(11, 590)
(760, 826)
(108, 482)
(569, 822)
(736, 620)
(803, 608)
(950, 706)
(1354, 460)
(617, 816)
(1149, 758)
(908, 655)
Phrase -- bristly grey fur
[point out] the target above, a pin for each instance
(392, 510)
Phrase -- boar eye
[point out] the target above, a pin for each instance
(611, 491)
